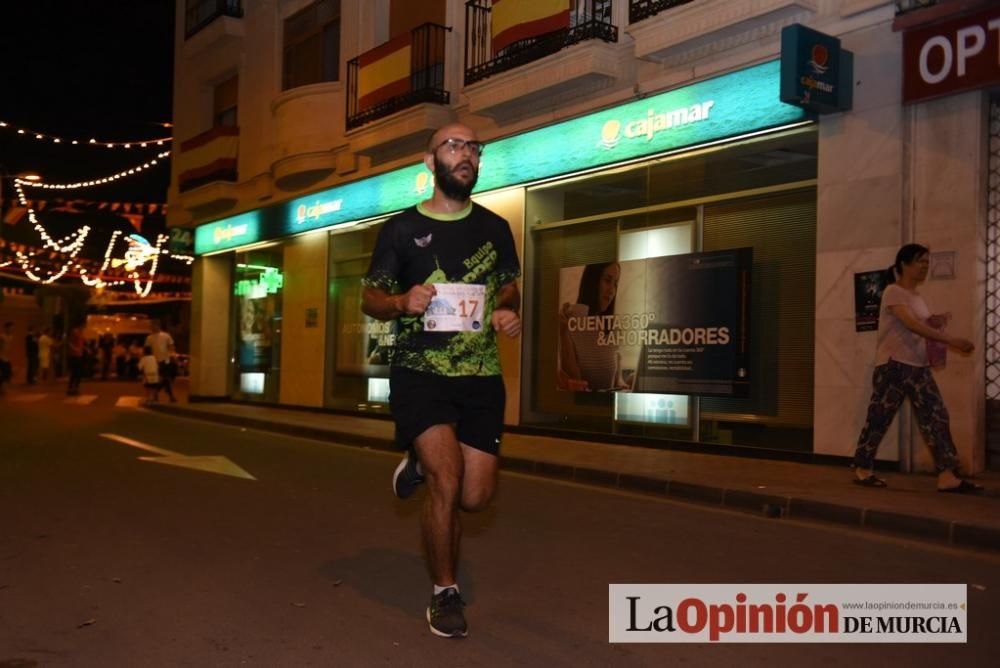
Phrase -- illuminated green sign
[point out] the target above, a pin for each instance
(719, 108)
(267, 283)
(229, 232)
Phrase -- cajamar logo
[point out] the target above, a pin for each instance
(820, 58)
(653, 123)
(228, 233)
(422, 182)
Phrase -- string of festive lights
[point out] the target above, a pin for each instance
(32, 270)
(131, 262)
(66, 244)
(44, 136)
(93, 182)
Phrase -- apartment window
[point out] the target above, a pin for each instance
(312, 45)
(224, 103)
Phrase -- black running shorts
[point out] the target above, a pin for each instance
(474, 404)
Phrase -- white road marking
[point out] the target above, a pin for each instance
(128, 402)
(81, 400)
(207, 463)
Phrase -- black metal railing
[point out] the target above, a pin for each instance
(588, 19)
(202, 12)
(426, 81)
(903, 6)
(643, 9)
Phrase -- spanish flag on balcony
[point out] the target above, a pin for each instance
(514, 20)
(384, 72)
(210, 156)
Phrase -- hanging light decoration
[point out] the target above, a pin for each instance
(43, 136)
(93, 182)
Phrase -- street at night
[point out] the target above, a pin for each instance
(107, 559)
(502, 333)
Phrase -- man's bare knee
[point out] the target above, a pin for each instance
(476, 501)
(445, 484)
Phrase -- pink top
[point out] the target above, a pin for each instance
(896, 341)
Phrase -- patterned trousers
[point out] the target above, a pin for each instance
(891, 384)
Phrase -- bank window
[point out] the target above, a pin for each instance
(648, 408)
(312, 45)
(224, 103)
(257, 289)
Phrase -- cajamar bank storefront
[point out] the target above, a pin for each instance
(669, 256)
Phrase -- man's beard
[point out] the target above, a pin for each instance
(449, 185)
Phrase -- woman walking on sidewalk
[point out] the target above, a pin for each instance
(902, 370)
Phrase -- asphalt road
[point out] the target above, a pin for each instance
(110, 560)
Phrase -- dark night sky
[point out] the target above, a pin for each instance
(86, 69)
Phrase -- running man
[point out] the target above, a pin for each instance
(446, 271)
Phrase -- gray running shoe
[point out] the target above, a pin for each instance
(444, 615)
(407, 476)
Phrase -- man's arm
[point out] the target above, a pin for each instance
(509, 297)
(506, 316)
(380, 305)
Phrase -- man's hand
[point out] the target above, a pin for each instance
(506, 321)
(416, 300)
(963, 345)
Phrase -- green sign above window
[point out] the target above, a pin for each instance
(721, 108)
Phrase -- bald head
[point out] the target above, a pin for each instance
(452, 130)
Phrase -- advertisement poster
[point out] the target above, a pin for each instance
(363, 343)
(868, 287)
(256, 315)
(677, 324)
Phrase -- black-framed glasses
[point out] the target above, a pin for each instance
(457, 145)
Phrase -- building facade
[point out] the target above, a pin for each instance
(618, 132)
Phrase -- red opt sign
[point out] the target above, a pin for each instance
(956, 55)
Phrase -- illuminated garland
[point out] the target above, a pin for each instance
(93, 182)
(73, 243)
(42, 136)
(31, 269)
(62, 246)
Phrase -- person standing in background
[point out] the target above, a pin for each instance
(160, 342)
(6, 341)
(107, 345)
(31, 352)
(45, 355)
(75, 352)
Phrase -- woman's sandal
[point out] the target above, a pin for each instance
(870, 481)
(964, 487)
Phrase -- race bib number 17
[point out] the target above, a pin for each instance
(457, 307)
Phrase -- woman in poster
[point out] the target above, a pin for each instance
(902, 370)
(584, 363)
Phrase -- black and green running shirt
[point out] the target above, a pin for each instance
(473, 246)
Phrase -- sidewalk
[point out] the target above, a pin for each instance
(909, 507)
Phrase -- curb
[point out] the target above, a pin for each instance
(949, 532)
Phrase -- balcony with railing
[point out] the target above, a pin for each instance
(904, 6)
(397, 93)
(643, 9)
(677, 32)
(405, 71)
(514, 61)
(206, 170)
(585, 20)
(200, 13)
